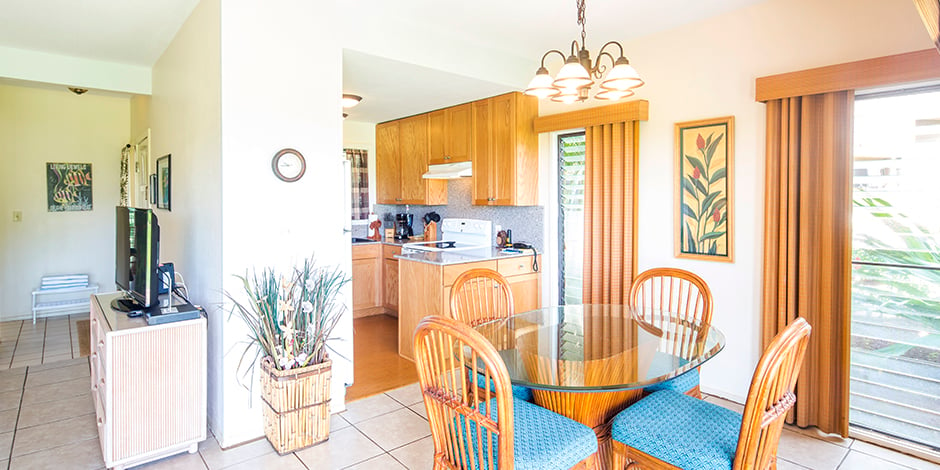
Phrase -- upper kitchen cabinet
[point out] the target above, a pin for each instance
(401, 157)
(505, 151)
(450, 134)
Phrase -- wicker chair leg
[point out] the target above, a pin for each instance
(618, 456)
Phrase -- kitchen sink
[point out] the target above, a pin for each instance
(362, 240)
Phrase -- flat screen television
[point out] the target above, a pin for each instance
(137, 257)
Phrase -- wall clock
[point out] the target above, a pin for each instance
(288, 165)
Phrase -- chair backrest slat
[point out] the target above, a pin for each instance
(480, 295)
(676, 301)
(461, 414)
(770, 396)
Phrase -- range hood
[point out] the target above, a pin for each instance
(449, 171)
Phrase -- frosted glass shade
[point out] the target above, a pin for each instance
(613, 95)
(567, 96)
(573, 75)
(622, 77)
(541, 85)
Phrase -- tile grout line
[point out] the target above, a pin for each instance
(16, 424)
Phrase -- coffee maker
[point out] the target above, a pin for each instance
(404, 226)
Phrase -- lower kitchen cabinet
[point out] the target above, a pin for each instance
(367, 279)
(425, 290)
(390, 264)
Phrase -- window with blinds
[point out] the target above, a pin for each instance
(570, 216)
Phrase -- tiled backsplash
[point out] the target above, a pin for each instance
(525, 222)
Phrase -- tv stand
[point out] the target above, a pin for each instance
(148, 384)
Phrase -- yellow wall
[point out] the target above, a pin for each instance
(140, 117)
(38, 126)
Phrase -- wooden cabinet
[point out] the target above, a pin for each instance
(450, 131)
(401, 158)
(148, 384)
(425, 290)
(367, 279)
(390, 272)
(505, 151)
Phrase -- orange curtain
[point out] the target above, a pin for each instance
(807, 245)
(608, 212)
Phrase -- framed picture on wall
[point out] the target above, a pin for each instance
(704, 211)
(163, 182)
(68, 187)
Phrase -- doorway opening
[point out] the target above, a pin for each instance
(895, 352)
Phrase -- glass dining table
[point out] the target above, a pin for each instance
(589, 362)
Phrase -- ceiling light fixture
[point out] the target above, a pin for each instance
(575, 79)
(350, 100)
(78, 91)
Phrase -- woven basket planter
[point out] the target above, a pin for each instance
(297, 405)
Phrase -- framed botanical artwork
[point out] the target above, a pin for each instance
(163, 182)
(704, 210)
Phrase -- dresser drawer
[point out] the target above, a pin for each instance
(516, 265)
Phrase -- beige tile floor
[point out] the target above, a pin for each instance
(47, 421)
(50, 340)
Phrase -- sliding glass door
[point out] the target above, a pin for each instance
(895, 374)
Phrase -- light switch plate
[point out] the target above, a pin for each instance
(17, 216)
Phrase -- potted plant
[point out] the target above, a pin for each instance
(291, 317)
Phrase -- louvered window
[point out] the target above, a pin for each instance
(571, 216)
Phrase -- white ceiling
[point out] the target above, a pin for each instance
(397, 54)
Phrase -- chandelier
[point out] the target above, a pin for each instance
(576, 78)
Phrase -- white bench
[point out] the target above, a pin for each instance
(63, 293)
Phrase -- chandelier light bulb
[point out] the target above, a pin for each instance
(567, 96)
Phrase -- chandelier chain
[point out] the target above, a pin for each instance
(581, 21)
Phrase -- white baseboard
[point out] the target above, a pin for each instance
(724, 394)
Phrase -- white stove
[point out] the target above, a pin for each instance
(458, 235)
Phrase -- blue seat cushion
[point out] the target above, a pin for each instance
(681, 384)
(518, 391)
(543, 440)
(662, 363)
(684, 431)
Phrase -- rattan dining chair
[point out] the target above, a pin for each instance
(664, 296)
(483, 429)
(481, 295)
(670, 430)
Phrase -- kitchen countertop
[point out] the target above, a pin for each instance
(390, 242)
(460, 256)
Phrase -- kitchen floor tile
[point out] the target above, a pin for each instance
(859, 461)
(395, 429)
(63, 374)
(34, 415)
(337, 422)
(420, 409)
(8, 420)
(271, 461)
(57, 391)
(418, 455)
(56, 434)
(384, 461)
(810, 452)
(217, 458)
(184, 461)
(783, 464)
(361, 410)
(10, 400)
(407, 395)
(6, 443)
(346, 447)
(79, 455)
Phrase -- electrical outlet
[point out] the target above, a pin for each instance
(17, 216)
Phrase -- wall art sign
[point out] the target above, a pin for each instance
(68, 187)
(704, 189)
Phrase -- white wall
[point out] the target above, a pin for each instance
(281, 87)
(185, 120)
(361, 135)
(707, 69)
(37, 126)
(45, 67)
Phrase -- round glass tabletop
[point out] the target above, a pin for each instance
(599, 347)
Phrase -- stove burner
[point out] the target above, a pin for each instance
(443, 245)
